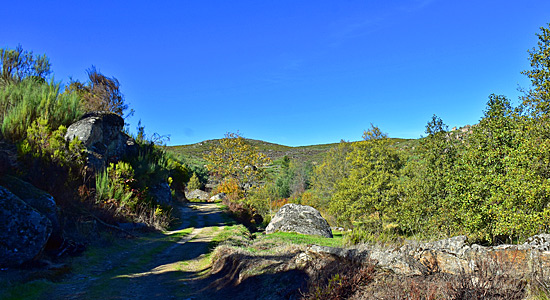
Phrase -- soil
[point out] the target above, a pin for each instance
(153, 268)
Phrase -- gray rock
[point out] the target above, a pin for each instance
(339, 252)
(451, 256)
(23, 230)
(161, 193)
(102, 135)
(43, 202)
(218, 197)
(452, 245)
(197, 194)
(132, 226)
(301, 219)
(539, 242)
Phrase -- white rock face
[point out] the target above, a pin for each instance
(197, 194)
(301, 219)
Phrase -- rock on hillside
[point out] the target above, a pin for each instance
(102, 135)
(23, 230)
(301, 219)
(41, 201)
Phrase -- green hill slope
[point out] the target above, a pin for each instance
(193, 153)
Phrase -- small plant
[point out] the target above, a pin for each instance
(113, 187)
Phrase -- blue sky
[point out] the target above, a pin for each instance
(288, 72)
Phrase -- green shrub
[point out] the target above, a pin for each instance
(51, 147)
(113, 187)
(23, 103)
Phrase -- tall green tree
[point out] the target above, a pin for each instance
(537, 98)
(425, 180)
(369, 193)
(481, 178)
(334, 168)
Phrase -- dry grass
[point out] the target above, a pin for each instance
(347, 279)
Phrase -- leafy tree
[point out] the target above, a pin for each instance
(333, 169)
(537, 98)
(370, 192)
(100, 93)
(481, 172)
(18, 64)
(425, 181)
(235, 158)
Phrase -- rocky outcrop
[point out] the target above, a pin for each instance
(23, 230)
(197, 194)
(41, 201)
(301, 219)
(102, 135)
(451, 256)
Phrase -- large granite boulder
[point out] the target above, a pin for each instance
(197, 194)
(41, 201)
(301, 219)
(102, 135)
(23, 230)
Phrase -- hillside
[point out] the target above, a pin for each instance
(193, 153)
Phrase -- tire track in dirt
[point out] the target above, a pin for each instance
(153, 269)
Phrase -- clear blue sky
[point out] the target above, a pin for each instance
(288, 72)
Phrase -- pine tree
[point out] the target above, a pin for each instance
(194, 183)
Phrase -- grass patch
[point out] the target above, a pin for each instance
(297, 238)
(29, 290)
(235, 235)
(196, 200)
(179, 234)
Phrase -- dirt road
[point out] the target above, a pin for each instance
(159, 266)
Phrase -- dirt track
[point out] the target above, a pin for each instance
(153, 268)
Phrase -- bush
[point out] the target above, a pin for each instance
(113, 187)
(23, 103)
(52, 147)
(230, 186)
